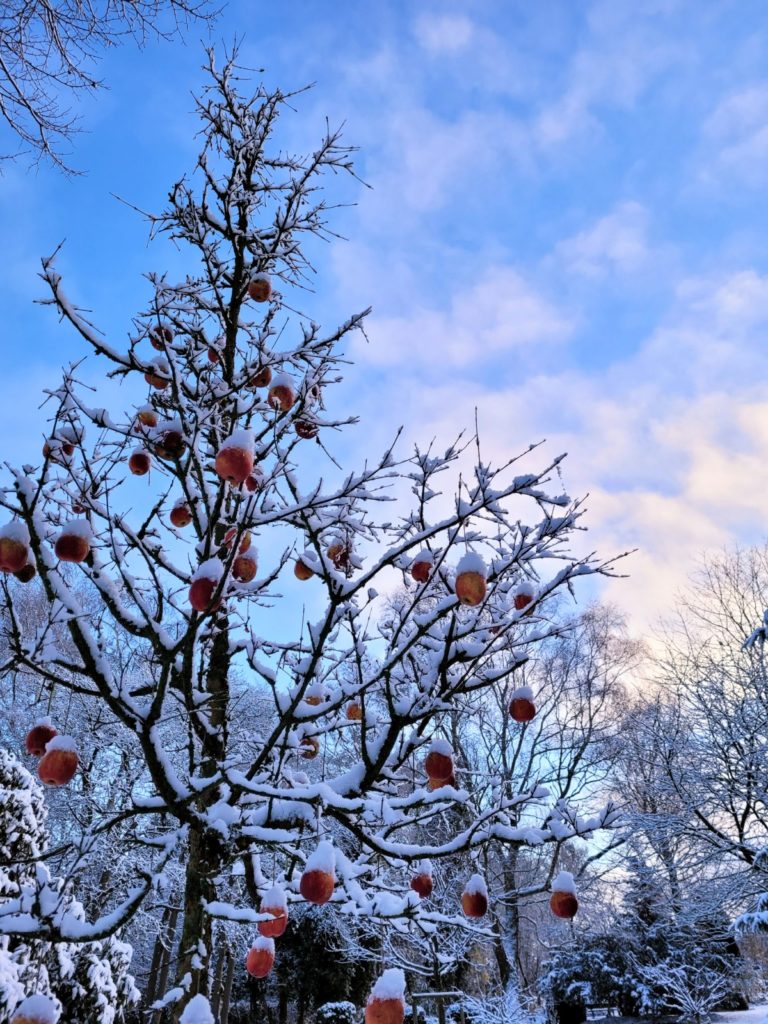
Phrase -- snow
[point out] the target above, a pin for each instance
(424, 867)
(391, 985)
(265, 944)
(77, 528)
(39, 1008)
(424, 556)
(61, 743)
(16, 530)
(523, 693)
(210, 569)
(441, 746)
(46, 722)
(198, 1011)
(563, 882)
(275, 898)
(323, 859)
(281, 380)
(471, 562)
(476, 884)
(239, 439)
(261, 277)
(525, 590)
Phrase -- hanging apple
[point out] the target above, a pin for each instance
(354, 712)
(14, 547)
(261, 957)
(421, 882)
(74, 542)
(26, 573)
(205, 583)
(310, 747)
(181, 514)
(525, 595)
(41, 733)
(170, 443)
(158, 375)
(261, 378)
(306, 429)
(474, 899)
(274, 903)
(521, 707)
(563, 902)
(421, 566)
(59, 763)
(139, 462)
(260, 288)
(146, 417)
(281, 394)
(301, 570)
(234, 461)
(439, 762)
(471, 579)
(160, 336)
(318, 879)
(386, 1003)
(244, 567)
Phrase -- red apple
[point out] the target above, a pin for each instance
(261, 378)
(13, 554)
(306, 429)
(171, 445)
(213, 354)
(522, 600)
(146, 417)
(72, 547)
(160, 336)
(156, 382)
(261, 958)
(563, 904)
(201, 595)
(37, 738)
(181, 515)
(385, 1011)
(57, 767)
(244, 568)
(234, 463)
(260, 288)
(245, 539)
(273, 929)
(317, 886)
(281, 395)
(354, 712)
(422, 884)
(302, 571)
(139, 463)
(474, 899)
(310, 748)
(26, 574)
(438, 766)
(421, 569)
(254, 481)
(522, 709)
(470, 588)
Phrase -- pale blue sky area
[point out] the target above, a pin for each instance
(567, 229)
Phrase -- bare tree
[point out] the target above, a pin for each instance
(49, 50)
(170, 558)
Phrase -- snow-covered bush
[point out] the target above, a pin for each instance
(338, 1013)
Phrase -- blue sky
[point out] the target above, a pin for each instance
(566, 228)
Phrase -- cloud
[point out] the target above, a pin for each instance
(735, 137)
(444, 33)
(616, 244)
(484, 320)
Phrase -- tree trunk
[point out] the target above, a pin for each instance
(226, 995)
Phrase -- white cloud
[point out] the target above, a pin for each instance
(444, 33)
(486, 318)
(615, 244)
(736, 138)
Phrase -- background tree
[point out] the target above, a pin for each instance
(157, 515)
(49, 51)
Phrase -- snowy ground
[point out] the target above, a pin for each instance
(755, 1015)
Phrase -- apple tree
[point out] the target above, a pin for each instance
(198, 519)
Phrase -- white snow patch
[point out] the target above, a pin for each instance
(476, 884)
(210, 569)
(471, 562)
(323, 859)
(563, 882)
(391, 985)
(198, 1011)
(61, 743)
